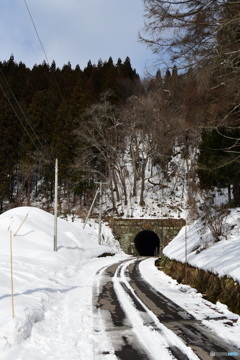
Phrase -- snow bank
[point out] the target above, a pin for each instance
(221, 257)
(194, 303)
(40, 275)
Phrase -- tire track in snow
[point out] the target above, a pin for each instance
(109, 311)
(180, 322)
(133, 330)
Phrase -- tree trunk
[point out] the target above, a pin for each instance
(28, 190)
(134, 190)
(236, 193)
(123, 183)
(112, 189)
(115, 185)
(229, 193)
(142, 202)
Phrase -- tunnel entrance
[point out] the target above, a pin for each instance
(147, 243)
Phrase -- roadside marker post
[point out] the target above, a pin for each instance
(11, 270)
(55, 206)
(186, 264)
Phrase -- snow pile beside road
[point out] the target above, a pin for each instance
(221, 257)
(40, 275)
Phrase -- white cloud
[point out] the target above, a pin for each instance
(73, 30)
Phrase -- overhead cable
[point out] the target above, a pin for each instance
(41, 43)
(35, 28)
(25, 117)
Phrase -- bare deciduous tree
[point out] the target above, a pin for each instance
(182, 30)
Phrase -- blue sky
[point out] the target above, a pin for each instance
(75, 31)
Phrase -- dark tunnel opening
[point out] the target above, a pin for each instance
(147, 243)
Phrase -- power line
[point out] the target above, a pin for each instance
(25, 117)
(41, 43)
(31, 138)
(46, 155)
(15, 112)
(35, 28)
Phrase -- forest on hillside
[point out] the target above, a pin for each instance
(105, 123)
(203, 39)
(44, 116)
(102, 123)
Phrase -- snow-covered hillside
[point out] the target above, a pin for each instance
(165, 191)
(40, 275)
(222, 257)
(53, 317)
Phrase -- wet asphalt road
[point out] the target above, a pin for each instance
(126, 343)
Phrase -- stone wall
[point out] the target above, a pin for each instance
(125, 230)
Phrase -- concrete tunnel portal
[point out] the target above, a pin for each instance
(147, 243)
(129, 233)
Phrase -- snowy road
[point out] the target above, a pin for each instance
(73, 305)
(103, 310)
(142, 323)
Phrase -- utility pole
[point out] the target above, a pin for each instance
(186, 264)
(89, 212)
(99, 190)
(55, 206)
(100, 212)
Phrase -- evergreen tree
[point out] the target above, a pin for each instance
(10, 151)
(218, 161)
(45, 119)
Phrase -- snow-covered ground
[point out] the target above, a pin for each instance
(193, 302)
(53, 317)
(52, 290)
(222, 257)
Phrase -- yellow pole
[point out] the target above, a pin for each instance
(21, 225)
(11, 267)
(186, 264)
(55, 207)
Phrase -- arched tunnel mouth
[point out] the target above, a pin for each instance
(147, 243)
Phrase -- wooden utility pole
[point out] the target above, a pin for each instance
(55, 206)
(11, 269)
(99, 190)
(186, 255)
(100, 213)
(89, 212)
